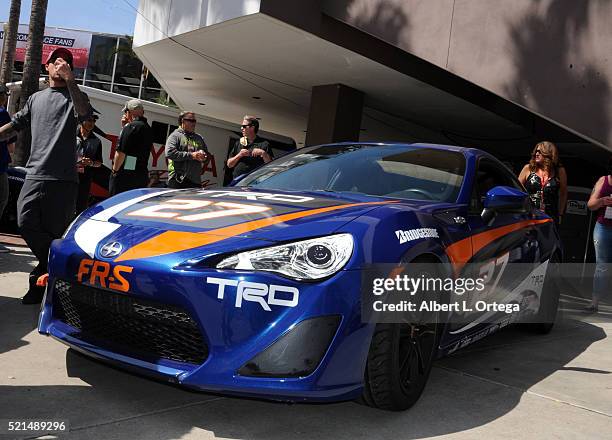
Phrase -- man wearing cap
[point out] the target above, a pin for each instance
(125, 116)
(89, 156)
(46, 203)
(131, 160)
(6, 149)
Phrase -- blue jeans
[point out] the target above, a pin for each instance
(602, 239)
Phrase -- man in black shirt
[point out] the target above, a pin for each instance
(250, 151)
(131, 161)
(89, 156)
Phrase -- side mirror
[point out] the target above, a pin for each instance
(504, 199)
(237, 179)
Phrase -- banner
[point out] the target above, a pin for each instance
(78, 42)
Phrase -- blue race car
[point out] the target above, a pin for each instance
(256, 289)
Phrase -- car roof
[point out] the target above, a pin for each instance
(454, 148)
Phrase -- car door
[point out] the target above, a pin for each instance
(504, 248)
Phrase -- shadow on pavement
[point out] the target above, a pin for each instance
(519, 359)
(115, 404)
(20, 259)
(16, 321)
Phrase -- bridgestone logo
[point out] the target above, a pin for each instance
(416, 234)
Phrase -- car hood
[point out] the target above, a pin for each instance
(162, 222)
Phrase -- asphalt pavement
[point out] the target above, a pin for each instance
(507, 386)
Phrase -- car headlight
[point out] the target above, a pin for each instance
(304, 260)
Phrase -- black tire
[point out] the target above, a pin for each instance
(544, 321)
(399, 363)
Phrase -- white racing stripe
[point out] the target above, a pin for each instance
(95, 229)
(91, 232)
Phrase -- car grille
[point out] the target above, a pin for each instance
(132, 326)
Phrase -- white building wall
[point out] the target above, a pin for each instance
(167, 18)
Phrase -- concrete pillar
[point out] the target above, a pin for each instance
(335, 114)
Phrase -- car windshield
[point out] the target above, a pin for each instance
(397, 171)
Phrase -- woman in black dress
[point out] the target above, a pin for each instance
(545, 180)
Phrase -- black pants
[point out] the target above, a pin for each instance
(45, 208)
(186, 183)
(82, 200)
(126, 180)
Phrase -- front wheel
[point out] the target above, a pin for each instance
(401, 354)
(398, 365)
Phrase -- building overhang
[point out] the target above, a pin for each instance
(258, 64)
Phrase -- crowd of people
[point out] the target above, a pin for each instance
(61, 166)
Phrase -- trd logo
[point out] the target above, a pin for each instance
(97, 272)
(257, 292)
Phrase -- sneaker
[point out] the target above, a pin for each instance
(590, 309)
(4, 249)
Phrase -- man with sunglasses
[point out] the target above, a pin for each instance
(47, 199)
(250, 151)
(186, 152)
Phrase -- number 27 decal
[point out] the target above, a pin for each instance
(169, 210)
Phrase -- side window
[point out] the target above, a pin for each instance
(490, 174)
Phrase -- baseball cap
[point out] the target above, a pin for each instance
(133, 104)
(60, 52)
(4, 90)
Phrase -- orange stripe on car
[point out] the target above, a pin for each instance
(462, 251)
(176, 241)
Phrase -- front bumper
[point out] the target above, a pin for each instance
(232, 336)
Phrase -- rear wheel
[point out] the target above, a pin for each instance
(399, 361)
(549, 302)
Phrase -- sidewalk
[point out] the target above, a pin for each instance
(12, 240)
(510, 385)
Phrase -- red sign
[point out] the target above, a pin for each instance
(77, 42)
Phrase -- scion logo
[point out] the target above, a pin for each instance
(415, 234)
(103, 274)
(265, 295)
(111, 249)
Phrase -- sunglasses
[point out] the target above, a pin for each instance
(189, 120)
(541, 153)
(245, 126)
